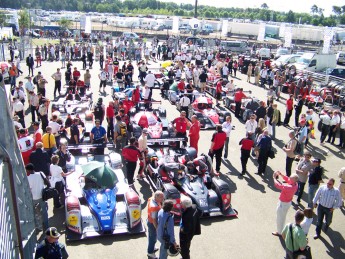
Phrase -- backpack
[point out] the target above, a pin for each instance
(123, 129)
(35, 80)
(98, 111)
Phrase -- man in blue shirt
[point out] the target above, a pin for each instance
(165, 229)
(265, 145)
(98, 136)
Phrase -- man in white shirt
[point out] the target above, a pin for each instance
(178, 74)
(18, 109)
(19, 94)
(29, 86)
(34, 104)
(263, 76)
(335, 123)
(230, 86)
(185, 102)
(103, 79)
(196, 74)
(150, 82)
(36, 183)
(225, 72)
(209, 59)
(55, 128)
(16, 123)
(342, 132)
(142, 146)
(251, 125)
(227, 127)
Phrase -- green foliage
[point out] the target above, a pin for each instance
(23, 20)
(185, 9)
(2, 20)
(64, 23)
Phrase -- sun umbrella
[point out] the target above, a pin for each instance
(100, 173)
(166, 63)
(145, 119)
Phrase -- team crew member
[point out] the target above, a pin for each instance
(110, 114)
(194, 133)
(181, 123)
(154, 204)
(246, 145)
(219, 90)
(239, 95)
(98, 136)
(131, 154)
(325, 126)
(217, 145)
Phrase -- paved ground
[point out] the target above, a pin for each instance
(254, 197)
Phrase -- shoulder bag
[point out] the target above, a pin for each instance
(305, 254)
(47, 192)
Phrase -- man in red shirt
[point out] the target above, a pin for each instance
(76, 74)
(219, 90)
(246, 146)
(131, 154)
(289, 108)
(181, 85)
(217, 145)
(136, 95)
(110, 113)
(268, 63)
(181, 123)
(81, 87)
(127, 104)
(26, 145)
(37, 133)
(239, 95)
(194, 133)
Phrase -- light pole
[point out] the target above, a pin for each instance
(196, 9)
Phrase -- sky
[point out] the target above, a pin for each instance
(276, 5)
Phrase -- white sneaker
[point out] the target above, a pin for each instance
(153, 255)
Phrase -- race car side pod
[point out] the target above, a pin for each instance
(73, 214)
(134, 208)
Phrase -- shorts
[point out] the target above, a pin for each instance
(218, 96)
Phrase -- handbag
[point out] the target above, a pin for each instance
(305, 254)
(47, 192)
(271, 154)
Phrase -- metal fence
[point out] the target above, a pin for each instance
(17, 226)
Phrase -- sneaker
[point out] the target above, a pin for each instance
(153, 255)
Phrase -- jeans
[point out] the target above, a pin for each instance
(274, 131)
(44, 213)
(262, 161)
(130, 168)
(324, 132)
(288, 166)
(226, 147)
(152, 236)
(331, 134)
(300, 190)
(282, 210)
(311, 193)
(163, 253)
(321, 213)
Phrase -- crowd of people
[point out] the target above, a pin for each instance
(46, 151)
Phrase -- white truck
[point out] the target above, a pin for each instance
(316, 62)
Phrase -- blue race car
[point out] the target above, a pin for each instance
(99, 200)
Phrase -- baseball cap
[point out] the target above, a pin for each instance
(35, 123)
(318, 160)
(145, 130)
(52, 232)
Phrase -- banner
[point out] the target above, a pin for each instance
(88, 26)
(327, 38)
(288, 37)
(225, 28)
(175, 25)
(261, 34)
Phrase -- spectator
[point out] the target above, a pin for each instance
(302, 170)
(238, 96)
(98, 136)
(298, 109)
(217, 145)
(289, 149)
(184, 104)
(264, 146)
(120, 133)
(38, 133)
(269, 116)
(110, 120)
(189, 226)
(314, 180)
(289, 109)
(150, 82)
(325, 119)
(75, 133)
(49, 142)
(295, 239)
(154, 204)
(194, 133)
(263, 76)
(103, 76)
(30, 63)
(26, 145)
(87, 79)
(326, 200)
(301, 136)
(227, 127)
(18, 109)
(40, 159)
(342, 132)
(64, 155)
(165, 229)
(50, 247)
(275, 121)
(288, 190)
(261, 111)
(99, 110)
(37, 180)
(131, 154)
(219, 89)
(335, 123)
(307, 221)
(57, 76)
(246, 145)
(142, 145)
(341, 175)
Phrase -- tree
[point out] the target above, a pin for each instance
(290, 17)
(336, 10)
(65, 24)
(23, 21)
(314, 9)
(2, 20)
(264, 6)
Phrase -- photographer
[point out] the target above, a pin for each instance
(165, 229)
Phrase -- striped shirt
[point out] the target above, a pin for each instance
(329, 198)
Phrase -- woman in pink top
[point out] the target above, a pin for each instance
(288, 190)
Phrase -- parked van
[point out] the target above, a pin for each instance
(316, 62)
(233, 46)
(264, 54)
(130, 35)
